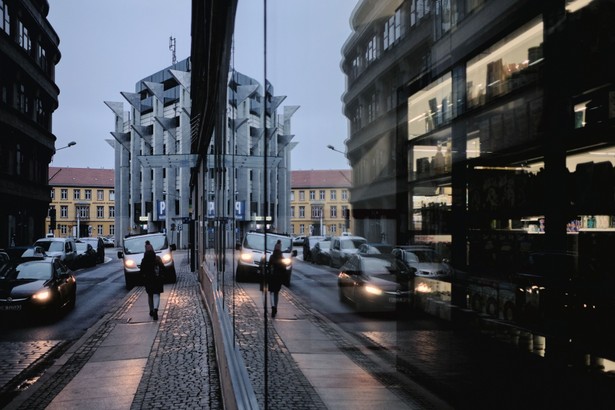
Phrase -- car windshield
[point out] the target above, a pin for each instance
(136, 244)
(422, 255)
(38, 270)
(382, 267)
(82, 247)
(324, 244)
(51, 246)
(258, 242)
(351, 243)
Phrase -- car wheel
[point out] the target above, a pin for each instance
(172, 277)
(129, 284)
(73, 300)
(342, 297)
(240, 275)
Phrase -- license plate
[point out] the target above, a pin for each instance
(10, 307)
(398, 300)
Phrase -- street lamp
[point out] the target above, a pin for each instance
(332, 148)
(70, 144)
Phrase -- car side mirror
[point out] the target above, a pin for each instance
(294, 252)
(120, 254)
(173, 247)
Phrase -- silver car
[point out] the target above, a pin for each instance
(426, 261)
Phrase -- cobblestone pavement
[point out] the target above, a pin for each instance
(288, 388)
(181, 372)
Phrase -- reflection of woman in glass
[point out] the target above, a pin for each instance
(276, 275)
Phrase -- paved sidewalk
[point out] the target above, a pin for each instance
(127, 360)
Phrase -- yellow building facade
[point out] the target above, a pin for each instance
(320, 202)
(82, 202)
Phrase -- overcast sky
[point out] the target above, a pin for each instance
(108, 46)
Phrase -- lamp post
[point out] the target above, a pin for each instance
(332, 148)
(70, 144)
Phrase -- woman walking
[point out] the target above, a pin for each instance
(151, 270)
(276, 276)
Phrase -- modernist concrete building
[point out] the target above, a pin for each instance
(28, 97)
(152, 165)
(260, 185)
(320, 202)
(82, 202)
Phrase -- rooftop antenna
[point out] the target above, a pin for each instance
(172, 48)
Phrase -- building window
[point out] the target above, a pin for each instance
(64, 193)
(52, 194)
(64, 211)
(100, 195)
(5, 18)
(431, 108)
(292, 211)
(312, 195)
(111, 229)
(316, 211)
(333, 211)
(333, 195)
(333, 229)
(63, 230)
(22, 99)
(76, 194)
(302, 195)
(302, 212)
(506, 66)
(88, 194)
(24, 37)
(112, 212)
(100, 212)
(322, 195)
(292, 196)
(83, 211)
(42, 58)
(344, 195)
(100, 230)
(301, 229)
(112, 195)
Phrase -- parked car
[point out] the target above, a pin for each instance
(253, 250)
(375, 248)
(308, 244)
(132, 253)
(99, 247)
(63, 248)
(108, 242)
(35, 285)
(320, 253)
(86, 256)
(376, 283)
(342, 247)
(298, 240)
(425, 260)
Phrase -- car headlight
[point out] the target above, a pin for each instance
(42, 295)
(246, 257)
(129, 263)
(286, 261)
(373, 290)
(166, 258)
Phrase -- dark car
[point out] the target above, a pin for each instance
(99, 247)
(320, 253)
(36, 285)
(86, 256)
(308, 244)
(376, 283)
